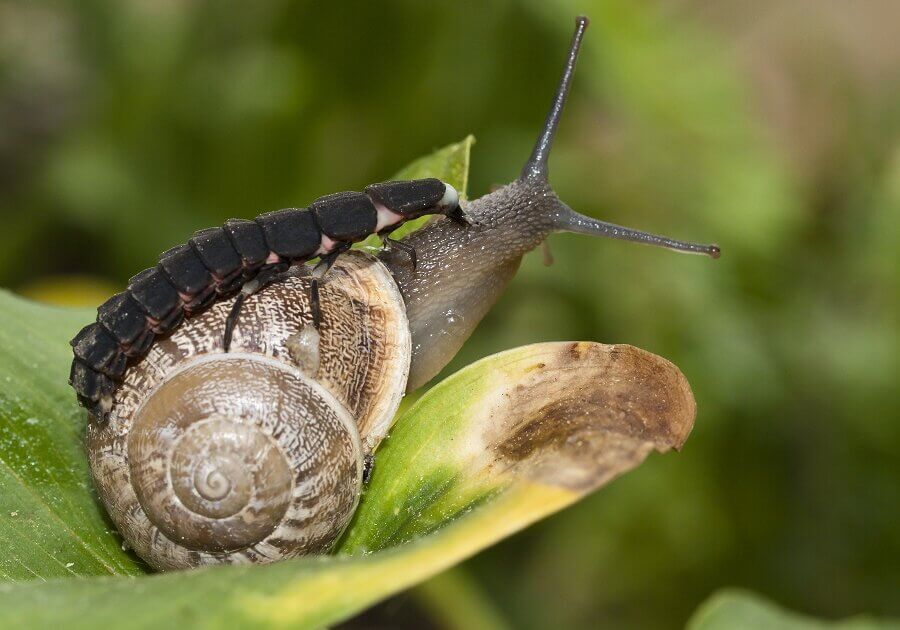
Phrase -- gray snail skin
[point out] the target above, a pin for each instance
(235, 422)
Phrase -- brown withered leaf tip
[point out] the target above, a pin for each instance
(587, 412)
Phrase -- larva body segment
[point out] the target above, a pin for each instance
(410, 199)
(93, 388)
(345, 217)
(248, 240)
(154, 293)
(292, 233)
(97, 349)
(125, 320)
(215, 249)
(218, 261)
(190, 277)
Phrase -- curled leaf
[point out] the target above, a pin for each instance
(564, 418)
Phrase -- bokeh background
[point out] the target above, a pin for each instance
(771, 127)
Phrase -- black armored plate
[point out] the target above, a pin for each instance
(247, 238)
(156, 295)
(97, 349)
(89, 384)
(345, 216)
(408, 198)
(123, 318)
(215, 249)
(291, 233)
(186, 271)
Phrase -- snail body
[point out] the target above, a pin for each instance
(207, 453)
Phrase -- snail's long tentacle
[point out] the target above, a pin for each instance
(567, 220)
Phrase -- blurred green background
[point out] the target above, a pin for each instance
(772, 128)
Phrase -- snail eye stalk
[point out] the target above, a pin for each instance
(536, 166)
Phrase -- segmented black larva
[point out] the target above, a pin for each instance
(240, 255)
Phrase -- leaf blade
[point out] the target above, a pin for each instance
(735, 609)
(45, 494)
(312, 592)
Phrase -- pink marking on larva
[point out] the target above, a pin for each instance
(326, 246)
(273, 259)
(386, 217)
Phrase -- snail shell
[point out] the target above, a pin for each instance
(256, 454)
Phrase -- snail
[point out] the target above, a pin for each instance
(258, 453)
(247, 440)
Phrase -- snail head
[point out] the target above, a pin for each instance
(465, 266)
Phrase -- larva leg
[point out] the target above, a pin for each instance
(406, 248)
(319, 271)
(368, 467)
(264, 277)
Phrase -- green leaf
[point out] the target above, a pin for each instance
(495, 447)
(503, 423)
(741, 610)
(51, 524)
(455, 602)
(501, 444)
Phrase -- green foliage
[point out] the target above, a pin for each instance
(763, 126)
(51, 525)
(740, 610)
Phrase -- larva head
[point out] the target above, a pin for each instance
(463, 269)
